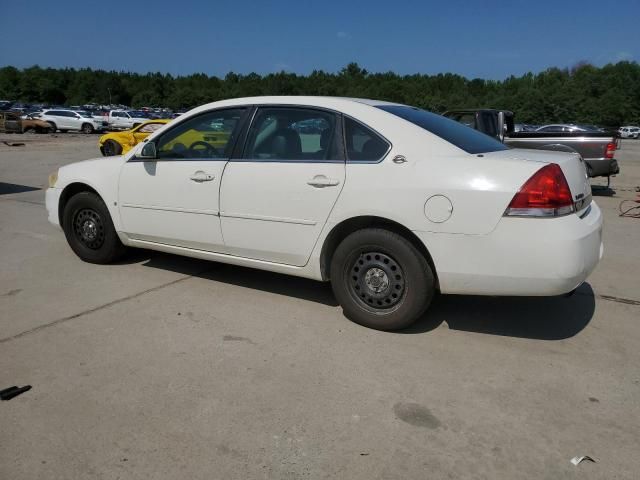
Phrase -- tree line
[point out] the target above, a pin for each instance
(607, 96)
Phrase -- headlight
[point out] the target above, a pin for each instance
(53, 178)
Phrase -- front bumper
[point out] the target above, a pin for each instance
(521, 257)
(52, 200)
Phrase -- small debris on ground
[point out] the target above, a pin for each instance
(11, 392)
(577, 460)
(14, 144)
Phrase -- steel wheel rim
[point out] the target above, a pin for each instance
(88, 228)
(376, 281)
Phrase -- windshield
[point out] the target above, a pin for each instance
(85, 114)
(138, 114)
(463, 137)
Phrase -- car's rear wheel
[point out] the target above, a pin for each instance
(89, 229)
(53, 127)
(111, 148)
(63, 131)
(87, 128)
(381, 280)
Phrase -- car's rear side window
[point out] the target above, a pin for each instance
(363, 144)
(465, 138)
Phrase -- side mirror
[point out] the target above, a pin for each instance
(148, 151)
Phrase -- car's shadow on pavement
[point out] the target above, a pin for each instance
(311, 290)
(602, 191)
(540, 318)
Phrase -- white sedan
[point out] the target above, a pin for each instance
(389, 202)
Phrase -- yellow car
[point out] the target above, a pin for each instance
(117, 143)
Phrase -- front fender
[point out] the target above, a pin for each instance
(101, 175)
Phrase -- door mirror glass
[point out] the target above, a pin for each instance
(148, 151)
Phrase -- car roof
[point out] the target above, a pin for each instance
(299, 99)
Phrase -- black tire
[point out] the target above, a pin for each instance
(63, 131)
(111, 148)
(381, 280)
(89, 229)
(53, 127)
(87, 128)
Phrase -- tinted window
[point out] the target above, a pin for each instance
(149, 128)
(292, 134)
(465, 138)
(209, 135)
(362, 143)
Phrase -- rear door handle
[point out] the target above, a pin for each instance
(320, 181)
(201, 176)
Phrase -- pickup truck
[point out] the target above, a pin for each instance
(596, 148)
(124, 119)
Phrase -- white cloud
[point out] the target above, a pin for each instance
(624, 56)
(279, 67)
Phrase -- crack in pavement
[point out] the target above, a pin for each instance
(611, 298)
(100, 307)
(627, 301)
(32, 202)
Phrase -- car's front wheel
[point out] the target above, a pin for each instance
(89, 229)
(87, 128)
(381, 280)
(111, 148)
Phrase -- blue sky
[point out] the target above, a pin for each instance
(474, 38)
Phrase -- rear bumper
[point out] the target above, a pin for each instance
(52, 199)
(602, 167)
(521, 257)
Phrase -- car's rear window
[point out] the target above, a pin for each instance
(463, 137)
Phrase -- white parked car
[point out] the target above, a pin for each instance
(65, 120)
(124, 119)
(388, 202)
(629, 132)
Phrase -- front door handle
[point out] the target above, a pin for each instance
(320, 181)
(201, 176)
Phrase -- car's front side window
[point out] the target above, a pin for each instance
(292, 134)
(208, 136)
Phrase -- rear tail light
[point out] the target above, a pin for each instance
(611, 149)
(545, 194)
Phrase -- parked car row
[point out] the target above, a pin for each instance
(629, 132)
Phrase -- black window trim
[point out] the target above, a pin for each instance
(363, 162)
(243, 122)
(338, 139)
